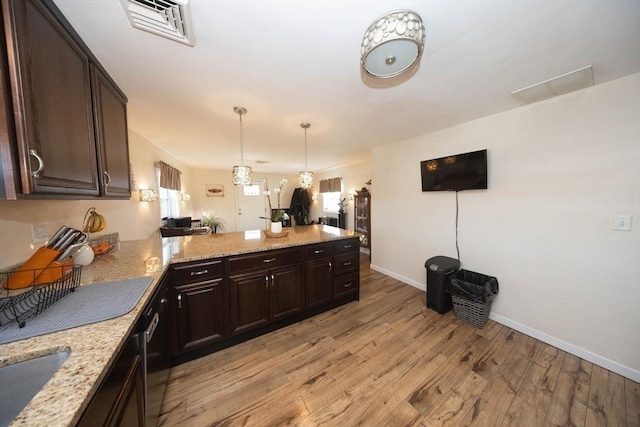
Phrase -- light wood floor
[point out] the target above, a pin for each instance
(388, 361)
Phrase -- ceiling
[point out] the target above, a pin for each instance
(293, 61)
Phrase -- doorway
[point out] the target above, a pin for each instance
(251, 206)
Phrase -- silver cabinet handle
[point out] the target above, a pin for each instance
(330, 266)
(347, 263)
(267, 261)
(266, 280)
(348, 285)
(179, 300)
(152, 328)
(198, 273)
(106, 184)
(36, 173)
(319, 251)
(273, 279)
(347, 246)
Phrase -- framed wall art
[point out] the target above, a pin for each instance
(214, 190)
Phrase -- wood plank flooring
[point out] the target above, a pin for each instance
(388, 361)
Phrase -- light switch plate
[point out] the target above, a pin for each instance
(622, 222)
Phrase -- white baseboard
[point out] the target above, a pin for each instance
(587, 355)
(403, 279)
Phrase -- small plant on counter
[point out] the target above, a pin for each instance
(279, 214)
(214, 222)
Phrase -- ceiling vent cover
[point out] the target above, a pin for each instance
(166, 18)
(570, 82)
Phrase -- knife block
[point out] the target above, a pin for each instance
(54, 271)
(27, 274)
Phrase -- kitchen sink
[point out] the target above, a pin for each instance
(22, 381)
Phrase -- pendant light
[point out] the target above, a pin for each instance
(305, 178)
(242, 175)
(392, 44)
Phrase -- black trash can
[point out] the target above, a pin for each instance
(439, 271)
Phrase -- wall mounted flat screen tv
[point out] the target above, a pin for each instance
(467, 171)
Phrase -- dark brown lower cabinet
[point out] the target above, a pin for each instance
(199, 304)
(264, 296)
(220, 302)
(200, 314)
(119, 401)
(264, 288)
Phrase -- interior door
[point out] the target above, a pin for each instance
(251, 206)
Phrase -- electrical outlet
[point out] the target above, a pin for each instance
(622, 223)
(39, 233)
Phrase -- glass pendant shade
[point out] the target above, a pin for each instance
(305, 178)
(241, 175)
(392, 44)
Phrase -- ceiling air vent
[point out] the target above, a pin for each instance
(570, 82)
(166, 18)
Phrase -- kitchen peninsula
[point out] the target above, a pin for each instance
(314, 268)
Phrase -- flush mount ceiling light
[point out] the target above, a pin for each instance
(305, 178)
(392, 44)
(242, 175)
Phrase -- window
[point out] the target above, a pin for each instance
(330, 201)
(169, 201)
(251, 190)
(169, 204)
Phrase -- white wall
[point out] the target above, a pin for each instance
(226, 206)
(559, 171)
(131, 218)
(354, 178)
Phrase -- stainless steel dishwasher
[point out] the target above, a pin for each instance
(156, 351)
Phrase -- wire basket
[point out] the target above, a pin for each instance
(473, 313)
(21, 304)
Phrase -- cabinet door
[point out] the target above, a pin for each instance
(287, 292)
(110, 114)
(200, 314)
(319, 282)
(249, 301)
(130, 409)
(119, 399)
(51, 94)
(362, 217)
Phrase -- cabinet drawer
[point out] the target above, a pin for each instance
(271, 259)
(197, 271)
(346, 284)
(319, 251)
(348, 263)
(345, 246)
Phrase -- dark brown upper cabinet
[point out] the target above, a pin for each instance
(66, 120)
(110, 113)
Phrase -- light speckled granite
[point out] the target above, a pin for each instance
(94, 347)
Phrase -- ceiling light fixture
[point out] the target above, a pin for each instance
(305, 178)
(242, 175)
(392, 44)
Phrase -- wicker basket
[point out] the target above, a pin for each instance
(473, 313)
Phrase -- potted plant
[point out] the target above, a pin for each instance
(214, 222)
(278, 214)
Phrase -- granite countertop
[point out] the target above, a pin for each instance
(94, 347)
